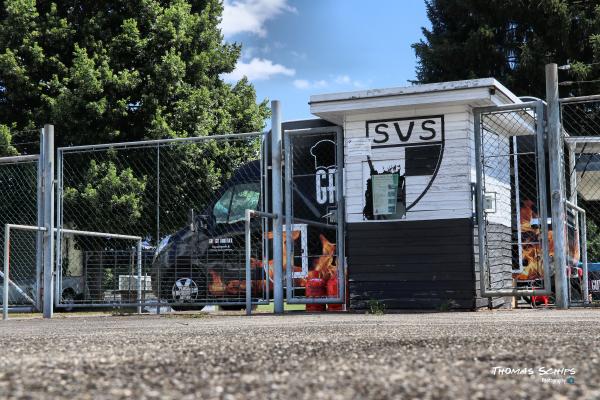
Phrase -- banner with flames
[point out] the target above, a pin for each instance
(531, 247)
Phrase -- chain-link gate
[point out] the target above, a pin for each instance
(314, 235)
(581, 132)
(20, 194)
(186, 198)
(514, 233)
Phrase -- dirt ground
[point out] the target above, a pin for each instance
(517, 354)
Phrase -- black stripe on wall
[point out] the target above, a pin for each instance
(412, 264)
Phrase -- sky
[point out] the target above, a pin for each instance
(292, 49)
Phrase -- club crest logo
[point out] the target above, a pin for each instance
(406, 154)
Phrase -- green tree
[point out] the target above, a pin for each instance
(118, 70)
(510, 40)
(123, 70)
(593, 244)
(110, 193)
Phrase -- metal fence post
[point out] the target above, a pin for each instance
(59, 227)
(289, 244)
(248, 250)
(555, 150)
(139, 277)
(39, 239)
(48, 169)
(6, 269)
(277, 207)
(584, 260)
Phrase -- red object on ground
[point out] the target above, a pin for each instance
(332, 291)
(315, 287)
(540, 299)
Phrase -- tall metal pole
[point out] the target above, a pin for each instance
(555, 149)
(248, 249)
(139, 277)
(6, 269)
(48, 160)
(59, 227)
(277, 207)
(39, 235)
(158, 222)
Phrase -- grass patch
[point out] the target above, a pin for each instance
(376, 307)
(269, 308)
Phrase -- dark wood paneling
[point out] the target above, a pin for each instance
(412, 264)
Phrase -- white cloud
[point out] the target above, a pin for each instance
(257, 69)
(250, 15)
(306, 84)
(342, 79)
(298, 55)
(345, 80)
(338, 80)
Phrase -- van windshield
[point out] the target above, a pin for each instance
(232, 205)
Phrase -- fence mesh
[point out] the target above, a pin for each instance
(581, 130)
(513, 222)
(186, 199)
(19, 205)
(312, 162)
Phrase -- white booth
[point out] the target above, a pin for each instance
(409, 170)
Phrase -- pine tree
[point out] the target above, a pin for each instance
(510, 40)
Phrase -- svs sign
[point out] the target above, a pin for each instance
(405, 131)
(411, 148)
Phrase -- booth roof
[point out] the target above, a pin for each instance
(474, 92)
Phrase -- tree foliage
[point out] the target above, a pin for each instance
(593, 237)
(119, 70)
(110, 193)
(510, 40)
(123, 70)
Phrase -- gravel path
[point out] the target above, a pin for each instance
(424, 356)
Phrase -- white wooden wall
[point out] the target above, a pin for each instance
(450, 193)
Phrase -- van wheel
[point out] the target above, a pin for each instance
(188, 290)
(185, 290)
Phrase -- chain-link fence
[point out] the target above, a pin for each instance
(20, 191)
(581, 131)
(313, 239)
(512, 183)
(186, 198)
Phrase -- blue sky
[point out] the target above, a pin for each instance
(295, 48)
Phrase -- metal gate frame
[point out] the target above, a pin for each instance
(573, 145)
(60, 230)
(539, 108)
(340, 209)
(36, 301)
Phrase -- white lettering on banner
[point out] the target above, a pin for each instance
(405, 131)
(325, 185)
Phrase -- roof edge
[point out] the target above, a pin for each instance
(416, 89)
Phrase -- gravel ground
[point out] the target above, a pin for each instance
(420, 355)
